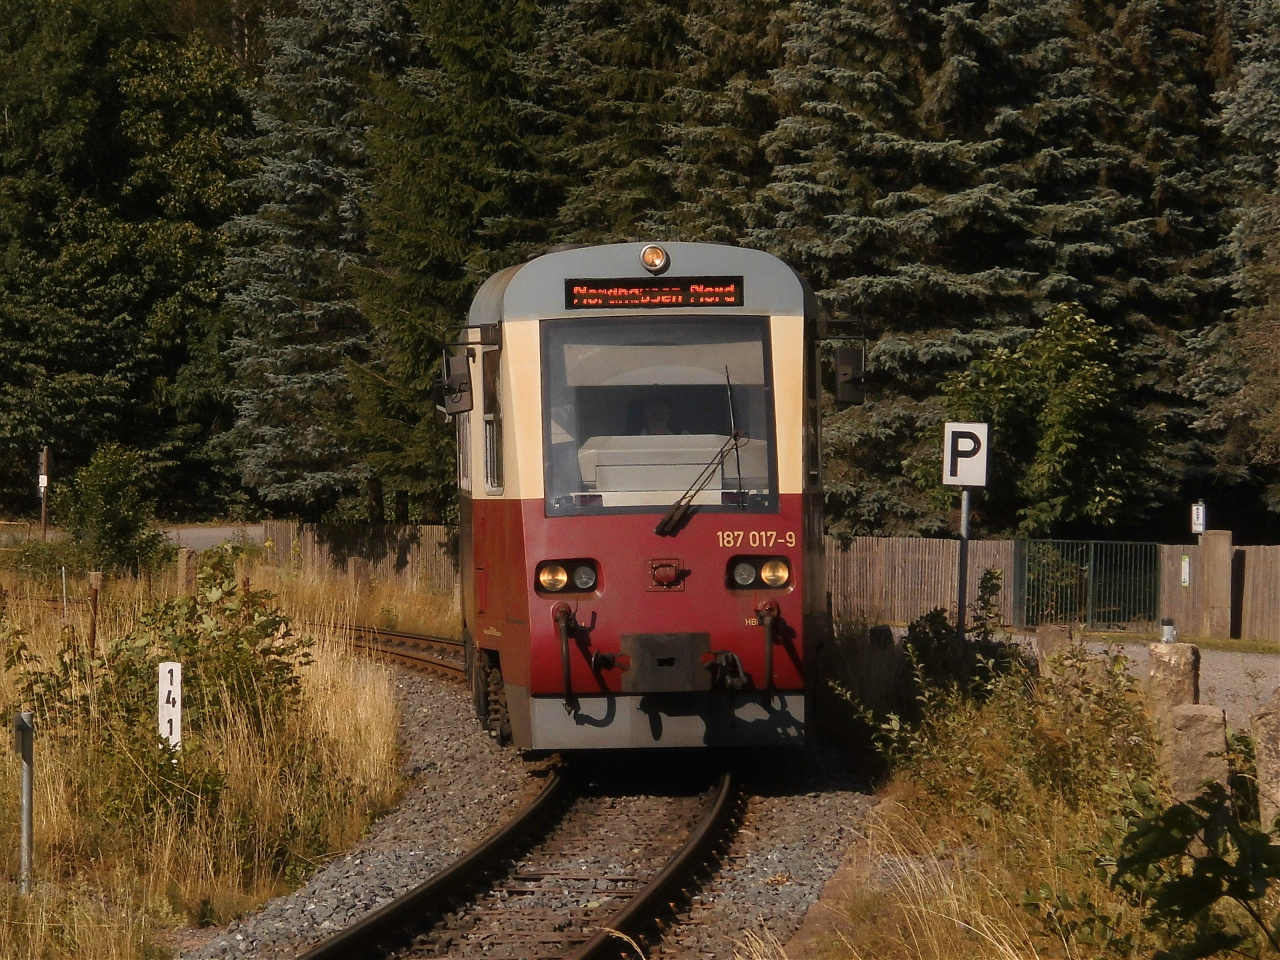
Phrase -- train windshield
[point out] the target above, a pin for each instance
(636, 410)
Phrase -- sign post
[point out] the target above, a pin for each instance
(44, 494)
(964, 465)
(170, 711)
(1198, 517)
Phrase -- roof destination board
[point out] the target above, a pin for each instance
(653, 292)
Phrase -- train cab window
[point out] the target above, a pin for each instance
(635, 410)
(490, 364)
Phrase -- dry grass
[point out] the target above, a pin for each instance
(305, 792)
(996, 805)
(924, 903)
(759, 946)
(389, 605)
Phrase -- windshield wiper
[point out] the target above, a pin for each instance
(670, 522)
(733, 429)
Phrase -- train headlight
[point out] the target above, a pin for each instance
(775, 572)
(744, 574)
(553, 577)
(584, 577)
(654, 258)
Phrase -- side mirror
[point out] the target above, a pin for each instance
(850, 368)
(455, 385)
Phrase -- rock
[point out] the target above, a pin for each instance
(1173, 678)
(1266, 747)
(1052, 639)
(1194, 748)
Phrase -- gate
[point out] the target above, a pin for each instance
(1103, 584)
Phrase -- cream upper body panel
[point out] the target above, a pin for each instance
(520, 298)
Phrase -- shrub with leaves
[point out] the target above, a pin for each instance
(1013, 777)
(240, 668)
(107, 515)
(238, 653)
(1207, 881)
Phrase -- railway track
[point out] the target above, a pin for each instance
(418, 651)
(582, 871)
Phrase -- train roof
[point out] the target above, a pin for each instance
(536, 289)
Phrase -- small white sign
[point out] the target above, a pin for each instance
(44, 480)
(170, 711)
(1197, 517)
(1186, 570)
(964, 455)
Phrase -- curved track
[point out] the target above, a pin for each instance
(578, 886)
(417, 651)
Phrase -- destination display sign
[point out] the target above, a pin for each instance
(653, 292)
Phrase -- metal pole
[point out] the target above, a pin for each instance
(95, 584)
(963, 574)
(24, 729)
(44, 494)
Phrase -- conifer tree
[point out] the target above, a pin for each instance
(947, 172)
(600, 77)
(932, 173)
(724, 102)
(1168, 291)
(1247, 366)
(298, 322)
(462, 189)
(114, 180)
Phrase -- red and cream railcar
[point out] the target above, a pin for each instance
(640, 498)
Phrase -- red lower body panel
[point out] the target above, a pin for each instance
(633, 636)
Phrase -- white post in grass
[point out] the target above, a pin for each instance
(170, 712)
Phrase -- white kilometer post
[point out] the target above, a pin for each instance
(170, 712)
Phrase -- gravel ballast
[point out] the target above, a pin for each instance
(461, 785)
(803, 809)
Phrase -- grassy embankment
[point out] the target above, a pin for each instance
(1006, 799)
(289, 749)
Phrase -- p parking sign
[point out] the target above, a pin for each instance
(964, 455)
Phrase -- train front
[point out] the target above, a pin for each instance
(668, 533)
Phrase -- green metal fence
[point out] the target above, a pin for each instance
(1106, 585)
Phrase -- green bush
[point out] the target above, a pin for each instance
(1205, 879)
(107, 516)
(239, 655)
(42, 562)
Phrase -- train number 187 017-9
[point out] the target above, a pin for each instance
(756, 538)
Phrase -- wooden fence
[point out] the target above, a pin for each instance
(897, 579)
(1259, 591)
(422, 555)
(1217, 590)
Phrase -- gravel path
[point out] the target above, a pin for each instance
(1239, 683)
(805, 808)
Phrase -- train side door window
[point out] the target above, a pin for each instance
(813, 420)
(464, 451)
(490, 361)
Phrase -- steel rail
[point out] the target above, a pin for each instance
(646, 904)
(409, 649)
(390, 926)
